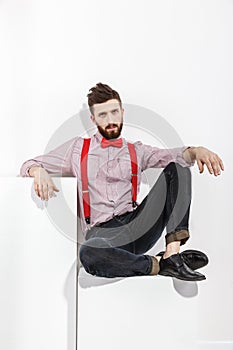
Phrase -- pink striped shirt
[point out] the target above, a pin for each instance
(109, 172)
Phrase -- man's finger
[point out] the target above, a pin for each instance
(36, 189)
(221, 164)
(45, 191)
(209, 166)
(53, 186)
(50, 191)
(215, 166)
(40, 190)
(200, 166)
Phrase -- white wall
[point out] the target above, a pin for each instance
(172, 57)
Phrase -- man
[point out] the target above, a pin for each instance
(118, 230)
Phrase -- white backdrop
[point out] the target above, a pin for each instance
(173, 57)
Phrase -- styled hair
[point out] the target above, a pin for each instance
(101, 93)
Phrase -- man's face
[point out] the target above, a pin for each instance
(108, 117)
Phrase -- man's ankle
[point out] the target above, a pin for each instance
(171, 249)
(168, 254)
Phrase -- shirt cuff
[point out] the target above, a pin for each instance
(181, 160)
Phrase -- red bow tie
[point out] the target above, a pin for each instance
(115, 143)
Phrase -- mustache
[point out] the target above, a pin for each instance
(111, 126)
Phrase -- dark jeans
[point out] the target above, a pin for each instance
(115, 248)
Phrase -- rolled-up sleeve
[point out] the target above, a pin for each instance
(58, 161)
(154, 157)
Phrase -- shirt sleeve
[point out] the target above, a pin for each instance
(154, 157)
(58, 161)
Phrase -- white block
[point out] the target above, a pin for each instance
(146, 312)
(37, 269)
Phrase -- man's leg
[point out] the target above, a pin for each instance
(99, 258)
(141, 229)
(174, 215)
(152, 216)
(166, 205)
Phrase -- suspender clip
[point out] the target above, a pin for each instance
(88, 222)
(87, 219)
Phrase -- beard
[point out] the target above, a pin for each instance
(110, 134)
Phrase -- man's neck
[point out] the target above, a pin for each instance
(100, 136)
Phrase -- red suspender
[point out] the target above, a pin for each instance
(85, 191)
(84, 179)
(134, 172)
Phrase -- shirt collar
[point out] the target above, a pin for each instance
(98, 135)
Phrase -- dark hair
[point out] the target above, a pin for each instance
(101, 93)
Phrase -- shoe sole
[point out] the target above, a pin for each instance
(201, 278)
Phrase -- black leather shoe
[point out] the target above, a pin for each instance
(174, 266)
(195, 259)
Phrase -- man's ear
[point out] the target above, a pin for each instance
(122, 110)
(93, 119)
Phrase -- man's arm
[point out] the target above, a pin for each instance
(204, 156)
(154, 157)
(57, 161)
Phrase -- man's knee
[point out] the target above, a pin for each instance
(177, 168)
(90, 253)
(91, 248)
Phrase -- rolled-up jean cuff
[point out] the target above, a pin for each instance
(154, 268)
(181, 235)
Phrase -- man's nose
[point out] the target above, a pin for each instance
(109, 118)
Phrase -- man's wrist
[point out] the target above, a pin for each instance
(192, 151)
(189, 154)
(33, 170)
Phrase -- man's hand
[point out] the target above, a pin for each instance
(204, 156)
(43, 184)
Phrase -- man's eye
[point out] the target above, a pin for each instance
(115, 111)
